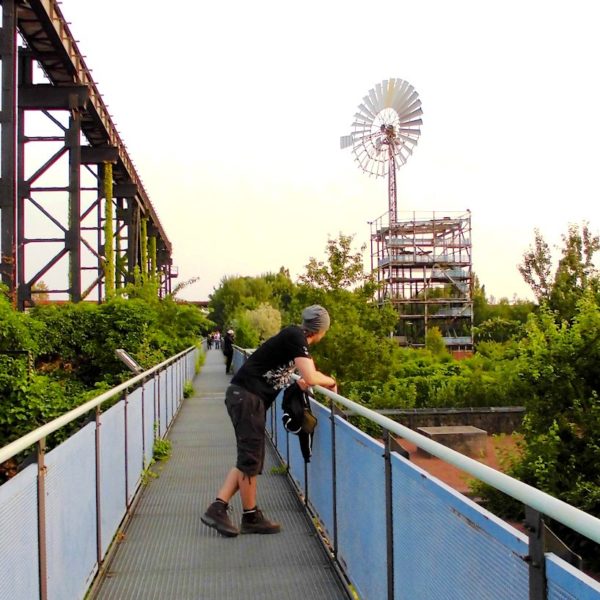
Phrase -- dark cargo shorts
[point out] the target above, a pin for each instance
(247, 413)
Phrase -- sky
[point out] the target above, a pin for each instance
(232, 113)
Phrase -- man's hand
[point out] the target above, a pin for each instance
(303, 385)
(332, 387)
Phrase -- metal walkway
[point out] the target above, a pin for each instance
(166, 552)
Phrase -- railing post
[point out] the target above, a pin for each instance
(126, 442)
(41, 507)
(536, 558)
(98, 490)
(274, 424)
(389, 519)
(156, 424)
(172, 369)
(143, 424)
(305, 483)
(333, 478)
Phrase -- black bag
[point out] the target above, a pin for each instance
(298, 418)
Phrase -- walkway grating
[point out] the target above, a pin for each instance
(167, 553)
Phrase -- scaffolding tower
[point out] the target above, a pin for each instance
(422, 263)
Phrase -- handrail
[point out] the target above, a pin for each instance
(576, 519)
(36, 435)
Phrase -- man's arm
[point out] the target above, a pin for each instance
(310, 376)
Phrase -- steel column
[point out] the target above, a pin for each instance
(25, 76)
(73, 241)
(8, 137)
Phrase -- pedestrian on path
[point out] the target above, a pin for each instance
(251, 392)
(228, 348)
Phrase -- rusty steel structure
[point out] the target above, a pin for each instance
(422, 263)
(71, 201)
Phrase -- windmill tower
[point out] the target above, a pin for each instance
(384, 132)
(422, 261)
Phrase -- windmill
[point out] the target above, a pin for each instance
(384, 132)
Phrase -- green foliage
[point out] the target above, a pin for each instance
(56, 357)
(434, 342)
(574, 275)
(342, 270)
(265, 320)
(188, 389)
(162, 449)
(536, 268)
(498, 329)
(246, 335)
(279, 470)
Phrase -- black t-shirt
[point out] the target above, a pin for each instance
(267, 371)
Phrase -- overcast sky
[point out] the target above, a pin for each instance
(232, 113)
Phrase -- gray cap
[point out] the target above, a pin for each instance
(315, 318)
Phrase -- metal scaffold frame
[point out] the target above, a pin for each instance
(91, 229)
(422, 263)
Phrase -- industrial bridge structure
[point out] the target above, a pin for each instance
(64, 169)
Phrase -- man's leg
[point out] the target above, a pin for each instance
(246, 484)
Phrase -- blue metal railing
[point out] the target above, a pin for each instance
(398, 532)
(58, 518)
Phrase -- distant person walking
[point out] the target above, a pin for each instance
(228, 348)
(252, 391)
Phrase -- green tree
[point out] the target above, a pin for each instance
(576, 272)
(235, 294)
(536, 268)
(434, 342)
(343, 268)
(265, 320)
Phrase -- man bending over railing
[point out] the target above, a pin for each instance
(252, 391)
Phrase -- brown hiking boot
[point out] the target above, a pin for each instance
(217, 518)
(257, 523)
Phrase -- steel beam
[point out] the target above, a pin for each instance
(99, 155)
(50, 97)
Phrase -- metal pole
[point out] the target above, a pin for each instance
(305, 483)
(389, 521)
(126, 402)
(41, 502)
(157, 404)
(98, 491)
(536, 558)
(333, 478)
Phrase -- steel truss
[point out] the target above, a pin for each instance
(423, 266)
(53, 213)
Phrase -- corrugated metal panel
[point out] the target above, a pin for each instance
(361, 511)
(568, 583)
(447, 547)
(112, 471)
(135, 459)
(149, 420)
(19, 567)
(71, 515)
